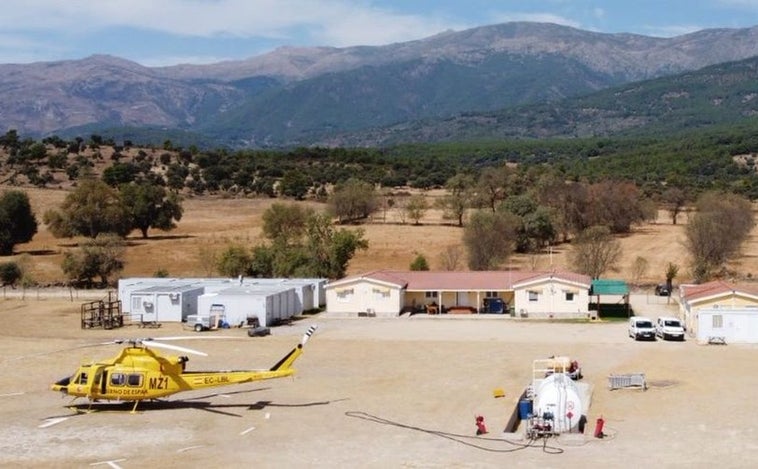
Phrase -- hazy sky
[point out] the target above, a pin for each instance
(166, 32)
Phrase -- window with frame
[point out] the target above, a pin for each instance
(118, 379)
(430, 294)
(136, 303)
(533, 295)
(134, 379)
(344, 295)
(717, 321)
(570, 296)
(491, 294)
(381, 293)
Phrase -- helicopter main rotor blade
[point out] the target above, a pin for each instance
(193, 337)
(153, 343)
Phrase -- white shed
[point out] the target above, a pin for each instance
(172, 303)
(269, 304)
(733, 325)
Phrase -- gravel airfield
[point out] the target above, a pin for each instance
(379, 393)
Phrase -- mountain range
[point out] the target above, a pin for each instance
(512, 79)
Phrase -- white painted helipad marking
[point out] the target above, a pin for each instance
(12, 394)
(51, 422)
(245, 432)
(267, 416)
(188, 448)
(226, 396)
(111, 463)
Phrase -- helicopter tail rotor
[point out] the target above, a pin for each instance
(308, 334)
(286, 362)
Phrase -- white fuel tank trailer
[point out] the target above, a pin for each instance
(557, 397)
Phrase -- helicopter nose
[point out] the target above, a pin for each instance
(61, 385)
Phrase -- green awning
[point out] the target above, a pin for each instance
(609, 287)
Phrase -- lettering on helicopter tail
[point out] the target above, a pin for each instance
(213, 380)
(160, 382)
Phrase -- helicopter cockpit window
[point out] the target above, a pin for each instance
(134, 380)
(81, 379)
(118, 379)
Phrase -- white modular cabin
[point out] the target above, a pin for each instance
(732, 325)
(269, 305)
(127, 286)
(164, 303)
(309, 291)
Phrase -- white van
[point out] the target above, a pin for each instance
(641, 328)
(669, 328)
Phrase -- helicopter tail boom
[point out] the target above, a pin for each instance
(289, 359)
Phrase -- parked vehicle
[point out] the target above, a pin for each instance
(669, 328)
(494, 306)
(641, 328)
(662, 290)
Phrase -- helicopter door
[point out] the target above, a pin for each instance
(99, 381)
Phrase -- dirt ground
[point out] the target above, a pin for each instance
(431, 376)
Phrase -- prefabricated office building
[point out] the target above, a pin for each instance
(173, 299)
(238, 305)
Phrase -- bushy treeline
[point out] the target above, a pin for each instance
(696, 162)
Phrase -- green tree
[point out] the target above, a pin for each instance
(416, 208)
(491, 186)
(715, 234)
(91, 209)
(353, 200)
(262, 261)
(675, 200)
(672, 270)
(120, 173)
(305, 244)
(295, 183)
(489, 239)
(419, 263)
(328, 250)
(17, 221)
(149, 206)
(459, 197)
(234, 261)
(100, 257)
(285, 223)
(595, 251)
(10, 273)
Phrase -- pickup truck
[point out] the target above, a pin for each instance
(641, 328)
(669, 328)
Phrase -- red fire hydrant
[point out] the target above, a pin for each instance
(481, 429)
(599, 428)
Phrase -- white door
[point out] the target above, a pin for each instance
(462, 299)
(163, 309)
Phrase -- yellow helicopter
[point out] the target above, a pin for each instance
(139, 373)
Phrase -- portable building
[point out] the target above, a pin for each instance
(269, 305)
(163, 303)
(729, 325)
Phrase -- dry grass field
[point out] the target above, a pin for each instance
(212, 223)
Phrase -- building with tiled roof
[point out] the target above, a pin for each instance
(720, 310)
(527, 294)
